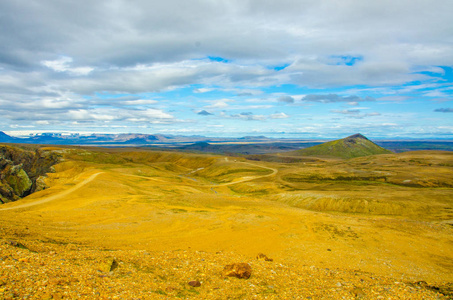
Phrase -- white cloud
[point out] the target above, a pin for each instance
(219, 104)
(202, 90)
(140, 102)
(280, 115)
(63, 65)
(42, 122)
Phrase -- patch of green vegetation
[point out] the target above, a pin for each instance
(160, 292)
(98, 157)
(248, 188)
(353, 146)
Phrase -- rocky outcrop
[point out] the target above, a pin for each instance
(18, 180)
(238, 270)
(22, 171)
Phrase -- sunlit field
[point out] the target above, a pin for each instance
(390, 215)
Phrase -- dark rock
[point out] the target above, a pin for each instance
(446, 290)
(195, 283)
(262, 256)
(239, 270)
(358, 293)
(114, 265)
(16, 244)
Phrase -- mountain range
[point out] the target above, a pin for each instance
(126, 139)
(247, 145)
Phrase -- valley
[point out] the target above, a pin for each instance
(358, 228)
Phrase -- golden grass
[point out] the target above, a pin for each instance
(334, 214)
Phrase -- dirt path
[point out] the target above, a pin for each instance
(92, 177)
(274, 171)
(54, 197)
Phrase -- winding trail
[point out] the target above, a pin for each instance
(93, 176)
(57, 196)
(274, 171)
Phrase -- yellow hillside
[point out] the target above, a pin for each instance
(388, 215)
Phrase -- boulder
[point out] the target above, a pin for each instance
(195, 283)
(264, 257)
(107, 264)
(40, 184)
(18, 180)
(238, 270)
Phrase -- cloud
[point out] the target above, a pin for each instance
(279, 115)
(444, 110)
(119, 35)
(286, 99)
(356, 113)
(42, 122)
(249, 116)
(202, 90)
(244, 94)
(333, 98)
(221, 103)
(139, 102)
(89, 57)
(62, 65)
(394, 98)
(204, 113)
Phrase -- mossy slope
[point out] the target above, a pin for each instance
(353, 146)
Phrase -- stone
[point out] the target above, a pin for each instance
(358, 293)
(40, 184)
(238, 270)
(16, 244)
(262, 256)
(18, 180)
(108, 264)
(194, 283)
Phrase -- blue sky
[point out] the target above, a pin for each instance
(288, 68)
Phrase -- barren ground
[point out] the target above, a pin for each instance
(368, 228)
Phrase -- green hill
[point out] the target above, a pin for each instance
(353, 146)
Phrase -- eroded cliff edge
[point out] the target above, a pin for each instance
(22, 171)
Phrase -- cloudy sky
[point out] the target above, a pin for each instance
(286, 68)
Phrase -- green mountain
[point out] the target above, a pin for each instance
(353, 146)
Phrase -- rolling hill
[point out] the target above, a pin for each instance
(129, 223)
(352, 146)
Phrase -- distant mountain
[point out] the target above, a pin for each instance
(4, 138)
(247, 145)
(242, 148)
(200, 146)
(353, 146)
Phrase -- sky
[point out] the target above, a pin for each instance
(286, 68)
